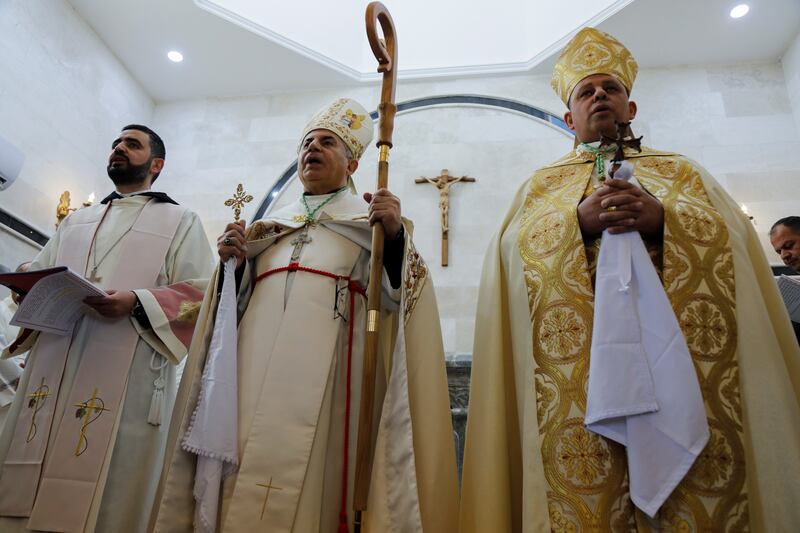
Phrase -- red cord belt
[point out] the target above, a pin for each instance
(353, 288)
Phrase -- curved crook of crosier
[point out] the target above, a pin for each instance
(385, 53)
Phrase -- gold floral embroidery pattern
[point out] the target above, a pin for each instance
(699, 225)
(546, 395)
(586, 473)
(560, 523)
(534, 281)
(661, 166)
(729, 393)
(715, 463)
(562, 333)
(706, 328)
(574, 266)
(415, 274)
(261, 230)
(723, 271)
(546, 238)
(720, 466)
(584, 457)
(676, 268)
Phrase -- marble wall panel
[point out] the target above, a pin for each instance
(791, 70)
(65, 96)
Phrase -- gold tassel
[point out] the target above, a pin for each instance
(189, 311)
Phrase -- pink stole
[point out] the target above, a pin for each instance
(63, 498)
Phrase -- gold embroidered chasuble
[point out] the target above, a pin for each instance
(570, 479)
(293, 336)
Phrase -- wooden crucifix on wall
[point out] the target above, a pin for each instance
(443, 183)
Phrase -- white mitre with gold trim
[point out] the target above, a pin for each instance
(348, 120)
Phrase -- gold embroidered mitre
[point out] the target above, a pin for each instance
(348, 120)
(590, 52)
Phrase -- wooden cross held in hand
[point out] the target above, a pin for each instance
(443, 183)
(625, 139)
(237, 201)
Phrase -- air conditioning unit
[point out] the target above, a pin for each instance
(11, 160)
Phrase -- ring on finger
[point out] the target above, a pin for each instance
(227, 241)
(611, 208)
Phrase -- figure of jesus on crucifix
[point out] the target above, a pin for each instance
(443, 182)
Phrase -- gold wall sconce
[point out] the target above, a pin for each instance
(63, 209)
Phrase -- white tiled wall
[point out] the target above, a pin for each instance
(63, 98)
(791, 71)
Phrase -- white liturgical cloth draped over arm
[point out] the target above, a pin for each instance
(212, 434)
(643, 389)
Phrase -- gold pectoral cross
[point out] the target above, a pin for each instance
(270, 487)
(36, 402)
(89, 411)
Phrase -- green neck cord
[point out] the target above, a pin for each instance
(599, 156)
(309, 213)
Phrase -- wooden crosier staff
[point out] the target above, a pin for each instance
(386, 54)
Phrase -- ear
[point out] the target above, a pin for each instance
(352, 166)
(156, 166)
(631, 110)
(568, 120)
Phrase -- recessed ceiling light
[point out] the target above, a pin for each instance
(175, 56)
(739, 11)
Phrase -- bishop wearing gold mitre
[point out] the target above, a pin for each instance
(301, 276)
(634, 366)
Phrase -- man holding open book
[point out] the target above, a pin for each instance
(83, 443)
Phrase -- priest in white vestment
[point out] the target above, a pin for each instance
(302, 318)
(83, 444)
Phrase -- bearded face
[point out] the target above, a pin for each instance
(131, 161)
(123, 172)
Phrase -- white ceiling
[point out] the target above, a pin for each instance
(452, 34)
(228, 54)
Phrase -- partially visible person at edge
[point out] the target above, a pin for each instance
(785, 239)
(10, 369)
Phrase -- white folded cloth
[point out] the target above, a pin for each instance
(213, 432)
(643, 387)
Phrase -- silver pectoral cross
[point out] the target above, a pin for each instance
(299, 242)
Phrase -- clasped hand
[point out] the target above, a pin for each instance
(620, 206)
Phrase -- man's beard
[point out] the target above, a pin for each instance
(130, 174)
